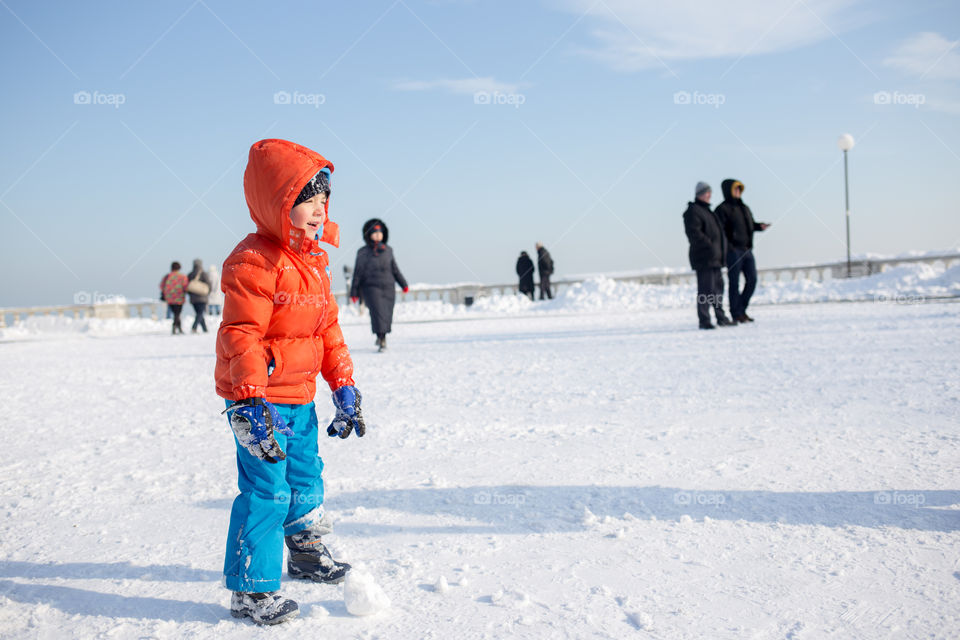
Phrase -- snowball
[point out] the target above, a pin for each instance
(441, 586)
(362, 595)
(640, 620)
(589, 519)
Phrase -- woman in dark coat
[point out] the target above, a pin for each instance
(374, 275)
(525, 271)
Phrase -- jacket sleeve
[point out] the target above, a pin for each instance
(357, 282)
(753, 223)
(337, 366)
(249, 285)
(694, 232)
(396, 273)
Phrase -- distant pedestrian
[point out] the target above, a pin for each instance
(215, 299)
(739, 227)
(174, 288)
(374, 275)
(707, 248)
(525, 272)
(198, 287)
(545, 265)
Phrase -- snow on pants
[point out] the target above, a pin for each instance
(275, 500)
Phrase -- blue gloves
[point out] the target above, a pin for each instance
(253, 421)
(347, 401)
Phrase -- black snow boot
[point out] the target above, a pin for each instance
(263, 608)
(311, 560)
(724, 321)
(381, 342)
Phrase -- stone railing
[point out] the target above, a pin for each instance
(152, 310)
(467, 293)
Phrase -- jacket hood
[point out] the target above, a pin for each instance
(277, 171)
(370, 224)
(727, 187)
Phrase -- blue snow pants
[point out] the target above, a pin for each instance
(275, 500)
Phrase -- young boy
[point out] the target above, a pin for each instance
(279, 330)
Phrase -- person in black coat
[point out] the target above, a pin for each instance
(545, 265)
(739, 227)
(707, 247)
(525, 271)
(374, 275)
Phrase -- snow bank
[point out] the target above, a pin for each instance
(909, 283)
(64, 326)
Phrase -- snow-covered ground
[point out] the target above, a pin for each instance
(558, 474)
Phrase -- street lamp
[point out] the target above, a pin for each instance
(846, 143)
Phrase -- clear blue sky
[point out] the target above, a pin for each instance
(591, 150)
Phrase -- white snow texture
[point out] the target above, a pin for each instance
(591, 467)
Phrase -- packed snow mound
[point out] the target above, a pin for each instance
(362, 595)
(65, 326)
(905, 284)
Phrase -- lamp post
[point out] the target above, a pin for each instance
(846, 143)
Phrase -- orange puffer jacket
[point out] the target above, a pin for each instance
(278, 306)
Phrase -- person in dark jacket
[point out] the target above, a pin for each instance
(545, 266)
(707, 247)
(739, 226)
(374, 275)
(525, 271)
(199, 300)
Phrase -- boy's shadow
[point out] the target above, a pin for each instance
(75, 601)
